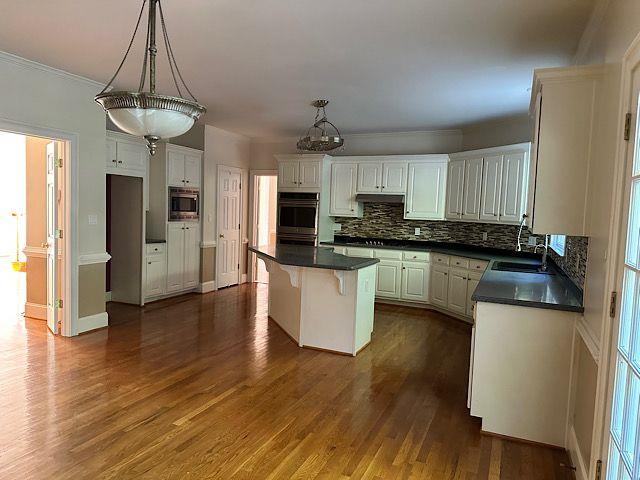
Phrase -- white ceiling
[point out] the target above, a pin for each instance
(386, 65)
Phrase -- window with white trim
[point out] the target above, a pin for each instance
(558, 243)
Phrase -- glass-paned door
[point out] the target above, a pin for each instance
(624, 446)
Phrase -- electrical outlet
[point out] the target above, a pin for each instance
(93, 219)
(577, 265)
(533, 241)
(485, 236)
(416, 232)
(337, 227)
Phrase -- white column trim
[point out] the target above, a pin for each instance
(208, 243)
(93, 258)
(589, 339)
(92, 322)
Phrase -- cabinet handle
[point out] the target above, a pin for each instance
(187, 181)
(148, 263)
(119, 161)
(445, 274)
(114, 161)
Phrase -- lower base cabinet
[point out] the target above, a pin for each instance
(389, 279)
(156, 270)
(457, 296)
(415, 281)
(439, 285)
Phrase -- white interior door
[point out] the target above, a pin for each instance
(228, 226)
(52, 244)
(624, 451)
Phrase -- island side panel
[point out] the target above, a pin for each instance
(365, 305)
(522, 371)
(328, 317)
(284, 299)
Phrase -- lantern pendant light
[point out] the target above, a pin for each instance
(319, 137)
(146, 113)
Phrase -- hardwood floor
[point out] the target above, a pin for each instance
(203, 386)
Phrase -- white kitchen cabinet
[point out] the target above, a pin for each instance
(472, 189)
(426, 184)
(472, 283)
(125, 155)
(439, 285)
(359, 252)
(388, 278)
(512, 193)
(455, 189)
(369, 177)
(342, 202)
(415, 281)
(457, 296)
(183, 256)
(300, 172)
(288, 171)
(310, 171)
(491, 185)
(111, 157)
(183, 167)
(156, 270)
(394, 177)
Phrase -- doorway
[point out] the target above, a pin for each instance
(264, 186)
(32, 219)
(229, 220)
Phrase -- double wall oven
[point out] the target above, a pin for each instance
(298, 218)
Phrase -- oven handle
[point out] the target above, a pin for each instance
(306, 203)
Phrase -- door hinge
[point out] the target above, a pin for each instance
(58, 163)
(598, 470)
(58, 233)
(59, 303)
(238, 266)
(627, 127)
(613, 304)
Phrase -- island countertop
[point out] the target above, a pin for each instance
(311, 257)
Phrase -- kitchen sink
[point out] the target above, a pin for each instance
(520, 267)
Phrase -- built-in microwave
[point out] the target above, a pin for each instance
(184, 204)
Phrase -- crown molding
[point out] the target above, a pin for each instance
(7, 57)
(593, 25)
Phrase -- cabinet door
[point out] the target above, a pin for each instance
(310, 174)
(132, 156)
(439, 285)
(342, 200)
(425, 191)
(369, 177)
(472, 283)
(491, 186)
(111, 156)
(288, 174)
(388, 278)
(175, 169)
(394, 178)
(455, 189)
(156, 275)
(457, 301)
(192, 165)
(415, 281)
(175, 256)
(191, 275)
(472, 189)
(512, 196)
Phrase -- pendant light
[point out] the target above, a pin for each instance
(146, 113)
(319, 137)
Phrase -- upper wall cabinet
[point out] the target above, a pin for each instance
(300, 173)
(125, 155)
(426, 183)
(564, 102)
(342, 201)
(488, 185)
(376, 176)
(183, 167)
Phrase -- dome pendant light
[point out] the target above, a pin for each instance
(148, 114)
(318, 138)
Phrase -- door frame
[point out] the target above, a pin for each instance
(241, 216)
(617, 239)
(69, 287)
(253, 201)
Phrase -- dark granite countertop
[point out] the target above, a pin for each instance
(154, 240)
(313, 257)
(556, 292)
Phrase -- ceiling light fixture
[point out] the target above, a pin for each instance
(148, 114)
(317, 138)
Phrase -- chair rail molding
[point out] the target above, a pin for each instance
(93, 258)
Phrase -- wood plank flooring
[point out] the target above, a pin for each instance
(205, 387)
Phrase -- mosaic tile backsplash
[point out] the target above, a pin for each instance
(381, 220)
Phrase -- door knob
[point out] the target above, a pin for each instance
(221, 235)
(44, 245)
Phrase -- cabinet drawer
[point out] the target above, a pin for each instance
(359, 252)
(439, 259)
(416, 256)
(478, 265)
(155, 248)
(390, 254)
(459, 262)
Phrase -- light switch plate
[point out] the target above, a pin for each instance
(533, 241)
(485, 236)
(417, 231)
(93, 219)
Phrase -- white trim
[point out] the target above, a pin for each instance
(23, 62)
(126, 137)
(206, 287)
(576, 456)
(589, 339)
(180, 148)
(92, 322)
(93, 258)
(208, 244)
(35, 310)
(525, 146)
(107, 296)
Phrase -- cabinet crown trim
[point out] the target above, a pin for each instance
(516, 147)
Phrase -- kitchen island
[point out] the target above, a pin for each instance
(321, 299)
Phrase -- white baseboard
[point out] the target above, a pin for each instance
(582, 470)
(35, 310)
(91, 322)
(107, 296)
(243, 278)
(207, 287)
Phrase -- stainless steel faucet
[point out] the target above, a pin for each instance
(545, 247)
